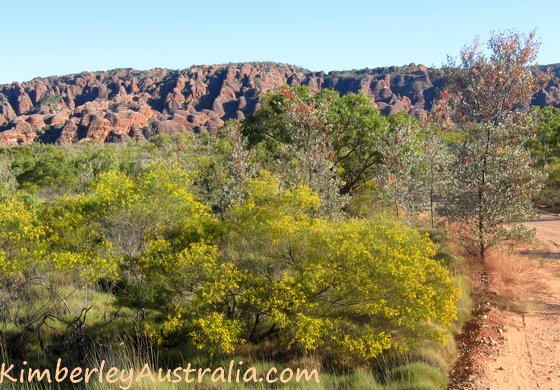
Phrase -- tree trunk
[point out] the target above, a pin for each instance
(432, 207)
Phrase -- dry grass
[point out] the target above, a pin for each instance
(513, 278)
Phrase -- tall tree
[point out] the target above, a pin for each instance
(400, 152)
(295, 128)
(234, 163)
(357, 130)
(349, 124)
(433, 164)
(488, 99)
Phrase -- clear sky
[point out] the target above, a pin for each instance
(56, 37)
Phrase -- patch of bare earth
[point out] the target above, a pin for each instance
(513, 339)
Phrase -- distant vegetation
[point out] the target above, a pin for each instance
(546, 152)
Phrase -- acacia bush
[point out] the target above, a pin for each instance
(306, 264)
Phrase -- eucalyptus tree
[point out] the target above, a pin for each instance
(488, 97)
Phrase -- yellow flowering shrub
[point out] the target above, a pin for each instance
(22, 236)
(216, 333)
(355, 286)
(272, 269)
(130, 225)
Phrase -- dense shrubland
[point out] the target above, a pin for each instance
(270, 266)
(313, 230)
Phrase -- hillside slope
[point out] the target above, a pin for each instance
(123, 104)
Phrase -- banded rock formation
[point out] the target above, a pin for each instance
(126, 104)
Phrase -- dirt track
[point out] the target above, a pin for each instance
(548, 232)
(529, 356)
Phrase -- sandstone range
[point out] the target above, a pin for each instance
(125, 104)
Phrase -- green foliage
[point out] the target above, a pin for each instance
(545, 150)
(550, 194)
(416, 159)
(400, 151)
(358, 129)
(295, 129)
(345, 130)
(236, 165)
(546, 146)
(8, 181)
(51, 100)
(351, 135)
(43, 166)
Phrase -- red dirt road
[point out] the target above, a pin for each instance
(529, 356)
(548, 232)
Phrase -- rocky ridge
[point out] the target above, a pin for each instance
(126, 104)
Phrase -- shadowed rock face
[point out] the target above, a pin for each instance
(126, 104)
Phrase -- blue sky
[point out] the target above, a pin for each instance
(56, 37)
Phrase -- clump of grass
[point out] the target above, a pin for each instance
(465, 303)
(416, 376)
(436, 355)
(513, 279)
(362, 379)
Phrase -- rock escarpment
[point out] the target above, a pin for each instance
(126, 104)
